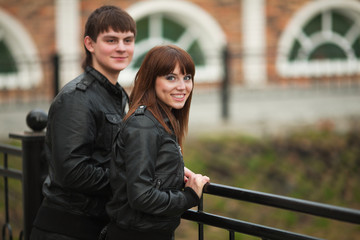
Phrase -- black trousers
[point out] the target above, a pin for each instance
(116, 233)
(37, 234)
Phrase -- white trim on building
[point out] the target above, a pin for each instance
(24, 51)
(254, 43)
(68, 34)
(198, 23)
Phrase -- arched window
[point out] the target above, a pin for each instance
(161, 22)
(19, 64)
(172, 32)
(323, 39)
(7, 61)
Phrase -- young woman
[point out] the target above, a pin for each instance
(151, 189)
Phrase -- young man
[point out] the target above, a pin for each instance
(82, 123)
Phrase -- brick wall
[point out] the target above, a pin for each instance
(37, 17)
(39, 20)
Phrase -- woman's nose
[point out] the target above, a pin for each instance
(181, 84)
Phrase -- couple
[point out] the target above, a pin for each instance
(109, 168)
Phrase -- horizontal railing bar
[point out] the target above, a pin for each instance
(9, 149)
(243, 227)
(11, 173)
(309, 207)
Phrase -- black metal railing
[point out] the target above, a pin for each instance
(277, 201)
(34, 171)
(6, 173)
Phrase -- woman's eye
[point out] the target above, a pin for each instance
(187, 77)
(170, 77)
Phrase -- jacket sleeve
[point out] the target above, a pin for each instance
(72, 133)
(142, 141)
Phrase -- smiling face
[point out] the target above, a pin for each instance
(174, 88)
(111, 52)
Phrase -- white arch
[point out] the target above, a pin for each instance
(198, 22)
(294, 30)
(22, 48)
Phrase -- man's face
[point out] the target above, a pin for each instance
(112, 52)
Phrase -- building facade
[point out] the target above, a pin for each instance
(269, 42)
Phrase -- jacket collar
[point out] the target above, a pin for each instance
(115, 89)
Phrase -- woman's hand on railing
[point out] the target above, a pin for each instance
(197, 182)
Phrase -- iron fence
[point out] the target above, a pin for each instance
(31, 152)
(7, 173)
(265, 232)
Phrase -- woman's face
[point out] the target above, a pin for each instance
(174, 88)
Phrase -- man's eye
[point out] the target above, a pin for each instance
(111, 40)
(129, 40)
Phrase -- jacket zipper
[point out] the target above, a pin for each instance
(158, 183)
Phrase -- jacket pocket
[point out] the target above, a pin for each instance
(112, 126)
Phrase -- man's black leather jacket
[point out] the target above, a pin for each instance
(83, 121)
(147, 177)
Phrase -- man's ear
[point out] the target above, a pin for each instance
(88, 42)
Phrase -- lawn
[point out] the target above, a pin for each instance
(314, 163)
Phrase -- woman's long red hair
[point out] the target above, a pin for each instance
(160, 61)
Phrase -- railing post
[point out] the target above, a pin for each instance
(34, 167)
(7, 225)
(200, 225)
(225, 86)
(56, 68)
(231, 235)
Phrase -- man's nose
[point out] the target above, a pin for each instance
(120, 46)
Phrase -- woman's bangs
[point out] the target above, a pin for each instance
(186, 65)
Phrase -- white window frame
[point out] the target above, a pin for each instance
(198, 24)
(317, 68)
(24, 51)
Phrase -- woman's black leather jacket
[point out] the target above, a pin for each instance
(83, 121)
(147, 177)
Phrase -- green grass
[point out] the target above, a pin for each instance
(314, 164)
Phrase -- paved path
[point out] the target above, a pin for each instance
(254, 112)
(259, 112)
